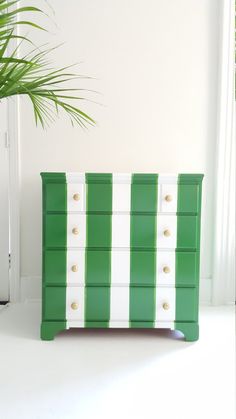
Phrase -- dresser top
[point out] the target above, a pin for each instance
(146, 178)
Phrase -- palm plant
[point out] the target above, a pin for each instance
(32, 75)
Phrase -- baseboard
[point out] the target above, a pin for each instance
(30, 289)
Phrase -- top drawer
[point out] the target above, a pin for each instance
(111, 193)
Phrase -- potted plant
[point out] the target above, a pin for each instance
(31, 75)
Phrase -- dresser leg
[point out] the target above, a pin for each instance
(190, 330)
(50, 329)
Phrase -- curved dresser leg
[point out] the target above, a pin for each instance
(50, 329)
(190, 330)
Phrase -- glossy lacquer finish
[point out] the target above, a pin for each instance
(121, 251)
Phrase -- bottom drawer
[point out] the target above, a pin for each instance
(127, 304)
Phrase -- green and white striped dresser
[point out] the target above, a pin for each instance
(120, 251)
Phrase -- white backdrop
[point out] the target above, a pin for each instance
(155, 64)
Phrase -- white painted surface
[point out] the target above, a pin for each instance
(75, 258)
(75, 295)
(121, 193)
(72, 204)
(129, 374)
(165, 259)
(165, 295)
(121, 230)
(166, 222)
(120, 267)
(4, 204)
(119, 306)
(163, 191)
(158, 82)
(76, 221)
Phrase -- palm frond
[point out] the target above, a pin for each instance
(32, 75)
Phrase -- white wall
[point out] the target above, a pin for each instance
(155, 64)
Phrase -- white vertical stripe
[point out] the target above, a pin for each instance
(75, 294)
(77, 221)
(75, 185)
(167, 185)
(120, 259)
(166, 223)
(165, 259)
(75, 258)
(166, 188)
(165, 295)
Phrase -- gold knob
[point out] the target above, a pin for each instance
(168, 198)
(74, 268)
(167, 233)
(166, 269)
(75, 230)
(74, 306)
(76, 197)
(166, 306)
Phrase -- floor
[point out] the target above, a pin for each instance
(86, 374)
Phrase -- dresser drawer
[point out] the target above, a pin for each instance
(120, 267)
(111, 304)
(121, 230)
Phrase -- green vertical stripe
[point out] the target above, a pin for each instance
(186, 268)
(143, 235)
(186, 304)
(54, 235)
(188, 239)
(98, 237)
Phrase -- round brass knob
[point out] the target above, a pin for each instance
(166, 306)
(76, 197)
(74, 306)
(166, 269)
(74, 268)
(167, 233)
(75, 230)
(168, 198)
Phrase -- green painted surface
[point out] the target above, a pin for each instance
(188, 198)
(142, 304)
(53, 177)
(97, 304)
(54, 303)
(55, 230)
(49, 329)
(186, 304)
(143, 268)
(98, 234)
(187, 232)
(98, 178)
(55, 197)
(98, 230)
(98, 267)
(189, 329)
(55, 267)
(143, 231)
(143, 235)
(99, 195)
(54, 262)
(186, 268)
(144, 195)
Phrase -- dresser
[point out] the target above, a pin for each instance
(121, 251)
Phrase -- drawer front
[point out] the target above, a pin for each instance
(120, 267)
(127, 304)
(137, 193)
(121, 230)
